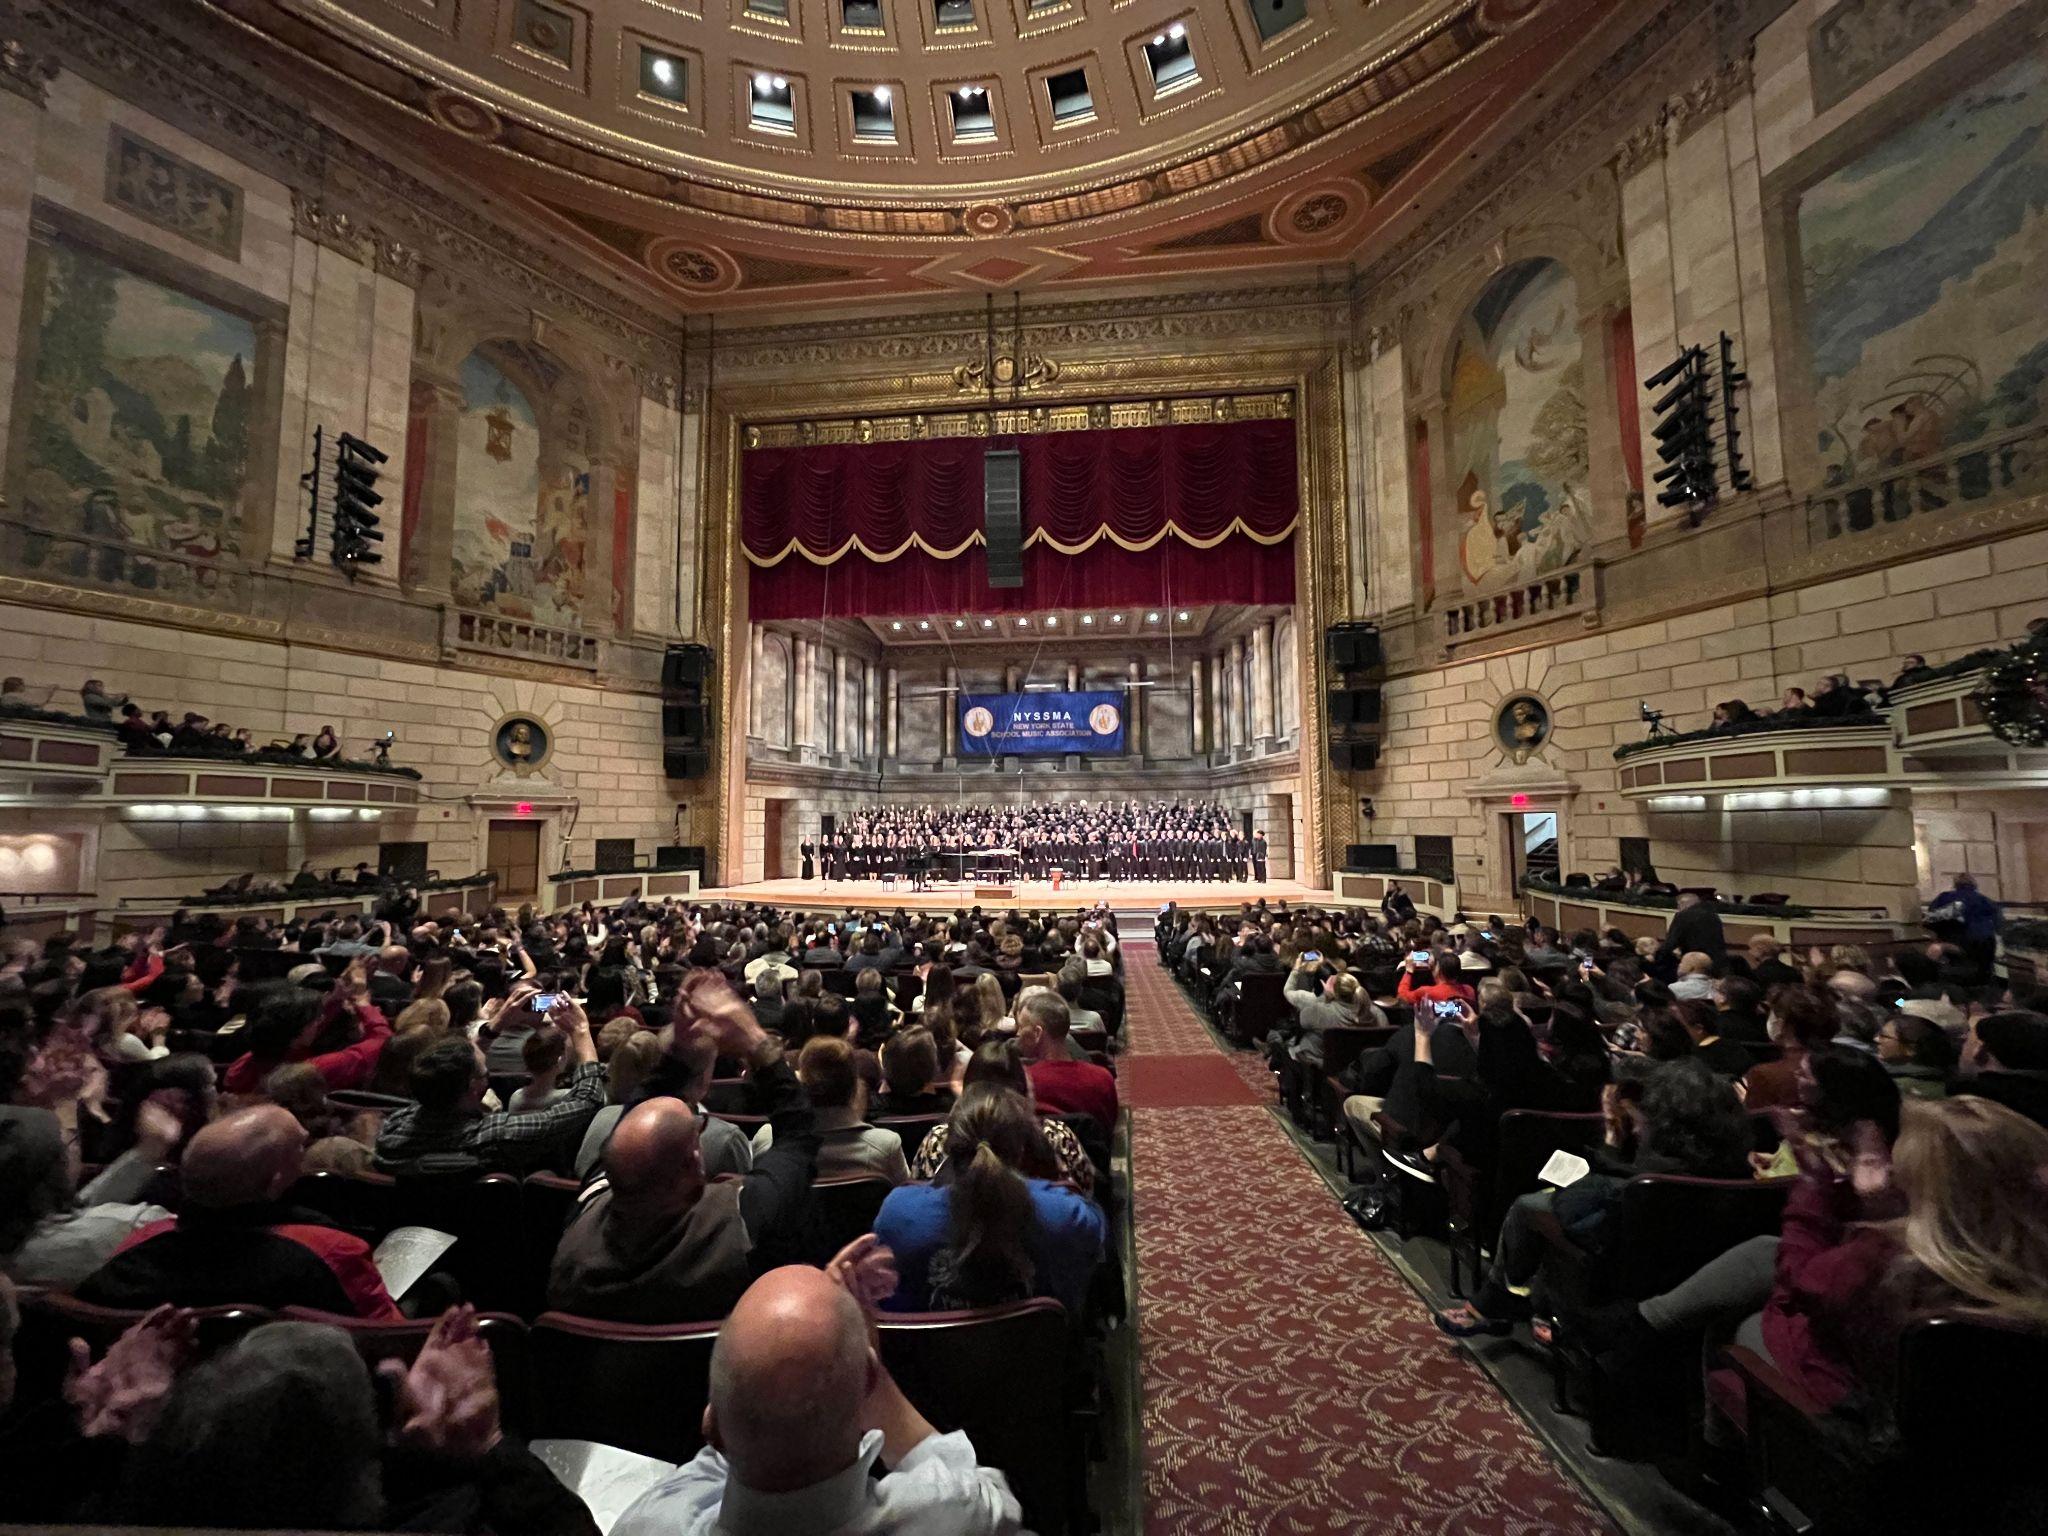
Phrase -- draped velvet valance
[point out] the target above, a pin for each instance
(1197, 514)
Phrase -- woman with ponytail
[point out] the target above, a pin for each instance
(997, 1229)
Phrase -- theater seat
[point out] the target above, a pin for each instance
(1966, 1456)
(1261, 1006)
(847, 1209)
(50, 1320)
(641, 1387)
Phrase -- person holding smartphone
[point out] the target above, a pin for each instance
(1432, 978)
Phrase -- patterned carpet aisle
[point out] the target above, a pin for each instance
(1292, 1381)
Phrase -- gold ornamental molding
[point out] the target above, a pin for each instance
(1022, 420)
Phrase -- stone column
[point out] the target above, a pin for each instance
(871, 706)
(756, 642)
(1262, 687)
(1134, 723)
(1073, 676)
(949, 701)
(842, 719)
(890, 708)
(803, 716)
(1240, 712)
(1198, 707)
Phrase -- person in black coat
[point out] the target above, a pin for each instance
(1695, 926)
(1259, 857)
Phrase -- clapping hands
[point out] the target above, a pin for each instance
(446, 1401)
(124, 1394)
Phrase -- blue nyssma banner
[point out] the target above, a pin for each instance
(1040, 724)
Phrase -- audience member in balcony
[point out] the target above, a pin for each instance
(14, 694)
(446, 1122)
(1909, 665)
(234, 1238)
(1680, 1119)
(326, 745)
(2006, 1059)
(1731, 715)
(1833, 697)
(801, 1410)
(1916, 1051)
(998, 1229)
(1802, 1019)
(98, 703)
(1795, 702)
(848, 1147)
(134, 730)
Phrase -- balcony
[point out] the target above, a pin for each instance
(52, 758)
(1432, 895)
(573, 887)
(1992, 469)
(472, 895)
(1932, 735)
(1572, 908)
(1561, 594)
(493, 634)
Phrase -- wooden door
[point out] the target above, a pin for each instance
(774, 862)
(514, 857)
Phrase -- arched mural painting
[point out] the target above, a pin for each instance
(1519, 462)
(523, 488)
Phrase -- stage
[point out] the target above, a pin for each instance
(1123, 896)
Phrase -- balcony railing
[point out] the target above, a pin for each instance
(1541, 601)
(221, 584)
(1992, 468)
(471, 631)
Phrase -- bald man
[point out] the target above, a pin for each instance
(235, 1238)
(658, 1242)
(801, 1407)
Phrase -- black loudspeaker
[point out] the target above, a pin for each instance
(671, 857)
(1002, 521)
(686, 668)
(614, 856)
(686, 764)
(1352, 648)
(683, 725)
(1354, 755)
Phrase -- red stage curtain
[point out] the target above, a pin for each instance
(895, 528)
(915, 585)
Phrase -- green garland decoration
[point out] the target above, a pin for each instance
(2014, 698)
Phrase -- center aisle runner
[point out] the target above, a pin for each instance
(1293, 1382)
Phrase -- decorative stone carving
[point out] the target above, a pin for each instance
(1643, 147)
(1856, 41)
(1709, 97)
(26, 72)
(174, 194)
(1031, 372)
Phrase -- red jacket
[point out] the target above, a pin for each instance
(1435, 992)
(1076, 1088)
(349, 1067)
(1823, 1314)
(259, 1254)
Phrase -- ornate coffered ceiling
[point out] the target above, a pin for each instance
(765, 154)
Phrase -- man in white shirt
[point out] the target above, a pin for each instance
(801, 1406)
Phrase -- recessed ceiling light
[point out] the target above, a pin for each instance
(882, 93)
(1159, 40)
(988, 623)
(1177, 30)
(895, 623)
(959, 623)
(664, 70)
(1116, 618)
(781, 84)
(1151, 618)
(1087, 618)
(1023, 623)
(924, 623)
(1183, 618)
(1052, 621)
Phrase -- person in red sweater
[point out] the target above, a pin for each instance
(1434, 981)
(236, 1239)
(1060, 1084)
(1953, 1218)
(290, 1024)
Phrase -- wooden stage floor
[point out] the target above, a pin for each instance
(1123, 896)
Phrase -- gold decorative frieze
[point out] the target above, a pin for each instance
(1008, 421)
(1011, 371)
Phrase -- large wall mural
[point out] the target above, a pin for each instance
(522, 492)
(1921, 269)
(1519, 462)
(137, 428)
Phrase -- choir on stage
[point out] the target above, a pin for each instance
(1127, 840)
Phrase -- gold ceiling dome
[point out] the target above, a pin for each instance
(749, 152)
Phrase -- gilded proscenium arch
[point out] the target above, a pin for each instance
(1311, 375)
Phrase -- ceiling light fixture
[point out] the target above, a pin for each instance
(1052, 621)
(1151, 618)
(1183, 618)
(988, 623)
(781, 84)
(1177, 31)
(895, 623)
(924, 623)
(764, 82)
(1087, 618)
(1159, 40)
(1023, 623)
(882, 94)
(664, 71)
(959, 623)
(1116, 618)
